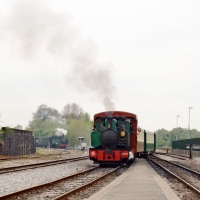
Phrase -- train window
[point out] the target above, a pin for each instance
(122, 126)
(101, 126)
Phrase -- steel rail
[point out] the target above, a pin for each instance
(181, 166)
(37, 165)
(179, 155)
(10, 159)
(5, 159)
(174, 156)
(178, 178)
(63, 196)
(14, 194)
(18, 158)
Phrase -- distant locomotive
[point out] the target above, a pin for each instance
(117, 139)
(52, 142)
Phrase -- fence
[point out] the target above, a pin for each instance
(185, 152)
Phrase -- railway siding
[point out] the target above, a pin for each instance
(190, 163)
(39, 165)
(77, 186)
(184, 181)
(12, 182)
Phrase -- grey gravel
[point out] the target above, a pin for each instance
(182, 191)
(16, 181)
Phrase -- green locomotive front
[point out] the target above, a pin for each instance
(116, 138)
(111, 140)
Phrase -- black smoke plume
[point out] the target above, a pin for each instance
(31, 28)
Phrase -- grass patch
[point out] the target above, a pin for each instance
(45, 152)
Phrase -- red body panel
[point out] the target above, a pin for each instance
(116, 155)
(63, 145)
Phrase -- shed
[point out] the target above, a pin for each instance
(15, 142)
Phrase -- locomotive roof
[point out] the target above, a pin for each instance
(113, 113)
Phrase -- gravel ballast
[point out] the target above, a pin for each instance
(15, 181)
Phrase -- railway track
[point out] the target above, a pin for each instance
(59, 153)
(173, 156)
(63, 187)
(189, 177)
(37, 165)
(13, 158)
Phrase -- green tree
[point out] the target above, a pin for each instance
(78, 123)
(164, 137)
(45, 120)
(72, 111)
(79, 128)
(73, 119)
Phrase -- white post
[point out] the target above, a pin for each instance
(177, 127)
(189, 123)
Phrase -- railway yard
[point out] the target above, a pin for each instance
(71, 175)
(53, 177)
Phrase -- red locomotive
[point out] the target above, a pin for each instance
(117, 139)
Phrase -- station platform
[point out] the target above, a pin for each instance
(139, 182)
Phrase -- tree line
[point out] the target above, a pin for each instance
(72, 118)
(164, 137)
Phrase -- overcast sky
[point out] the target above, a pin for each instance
(135, 56)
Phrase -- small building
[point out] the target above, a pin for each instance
(82, 144)
(15, 142)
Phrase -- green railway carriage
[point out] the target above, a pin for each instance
(146, 141)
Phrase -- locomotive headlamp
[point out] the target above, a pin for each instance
(122, 133)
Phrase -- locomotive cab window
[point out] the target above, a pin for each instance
(122, 126)
(101, 126)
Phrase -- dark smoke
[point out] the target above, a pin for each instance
(31, 28)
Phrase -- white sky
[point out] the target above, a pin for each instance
(151, 48)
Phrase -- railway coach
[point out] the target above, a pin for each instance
(116, 138)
